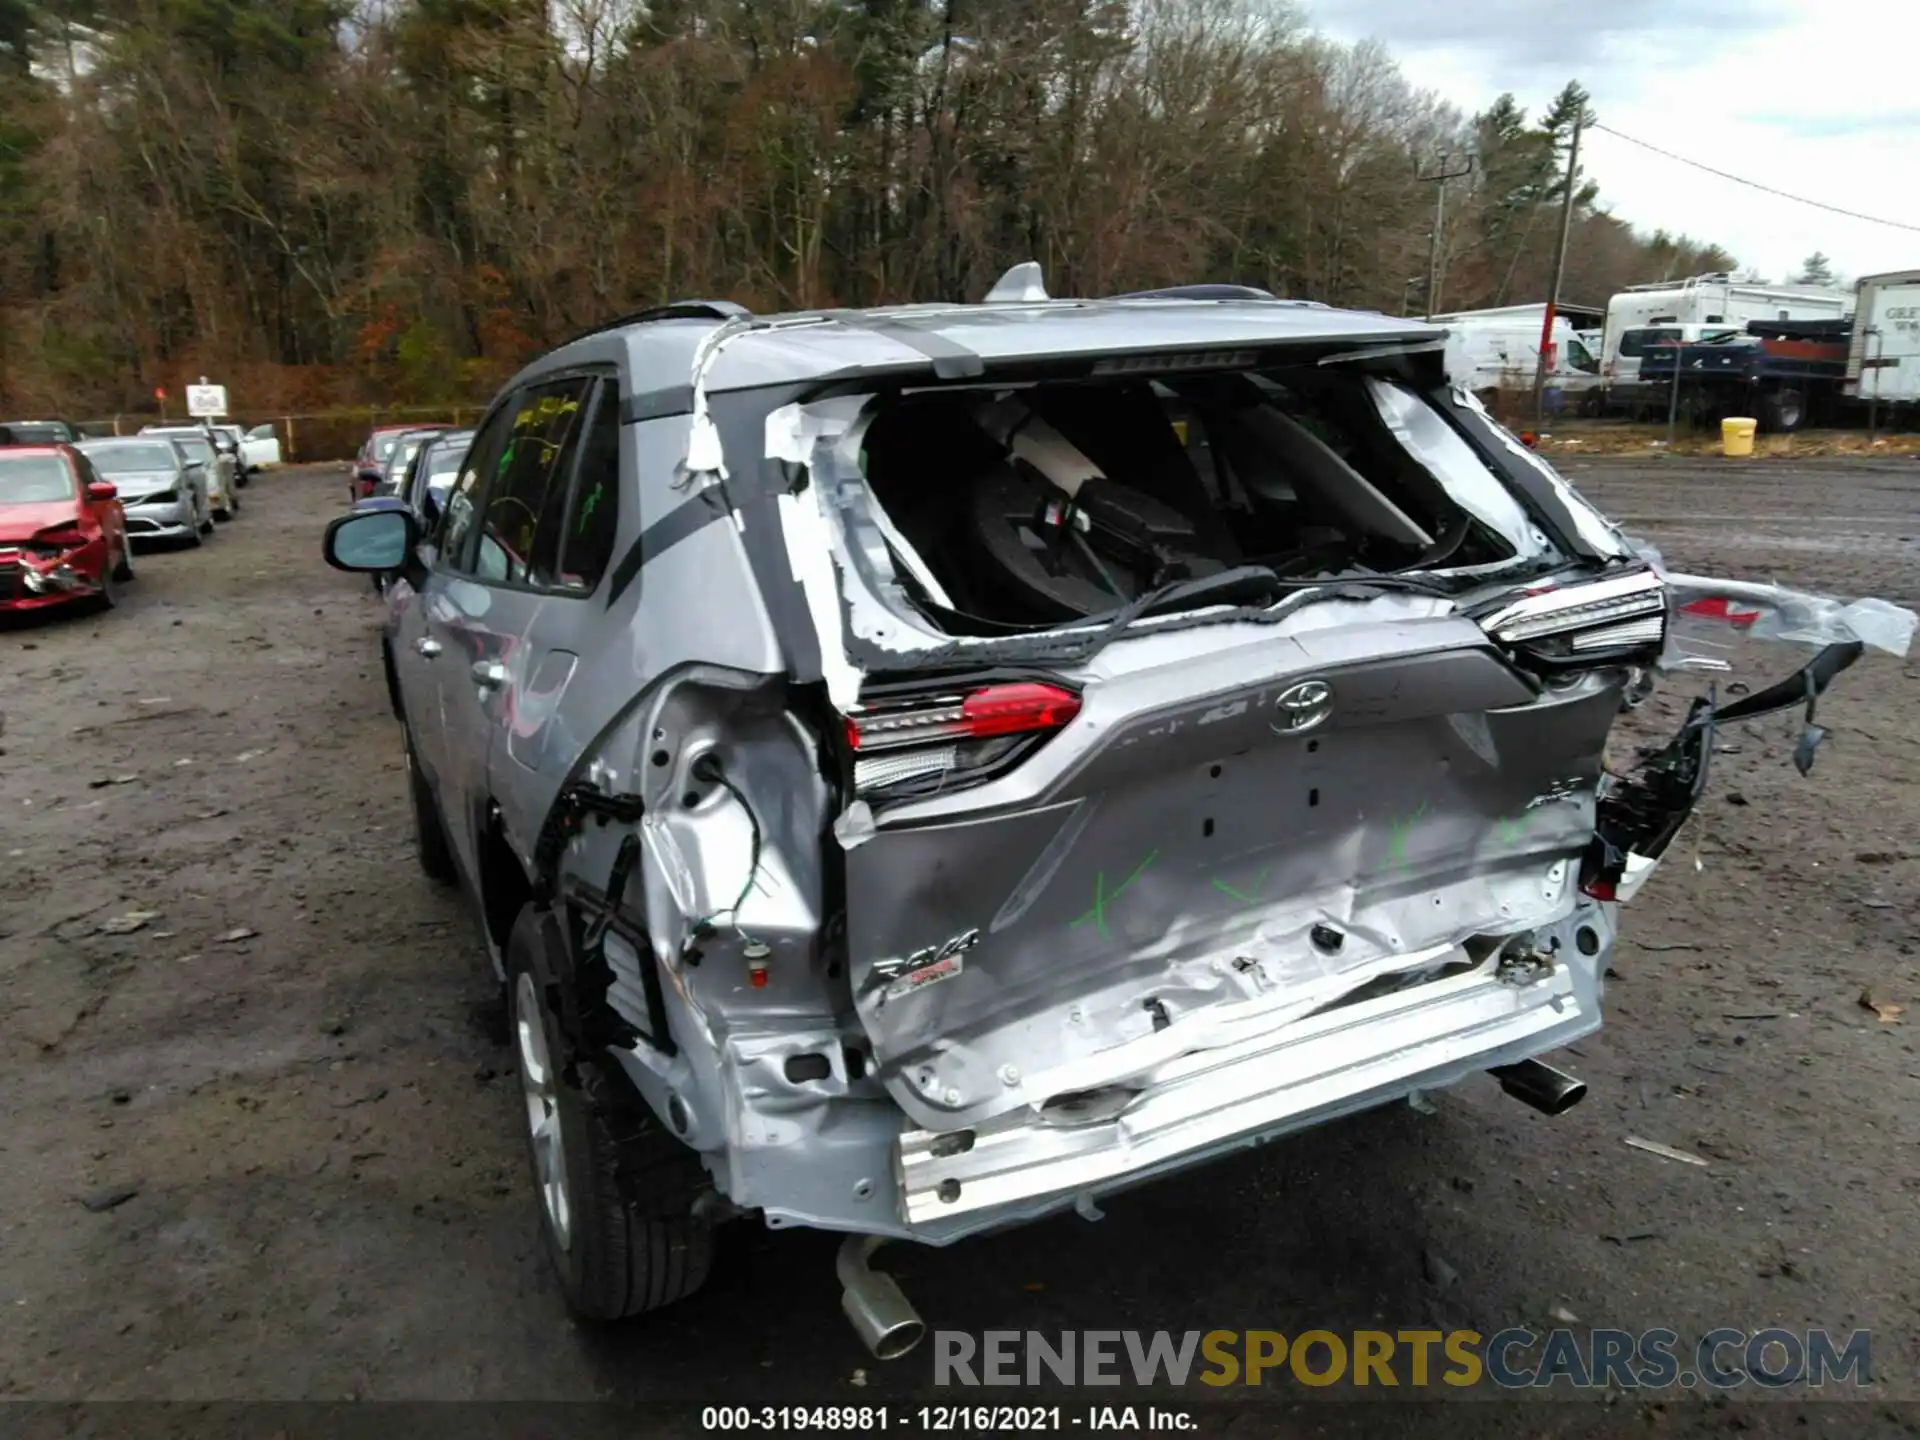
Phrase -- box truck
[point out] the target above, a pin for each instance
(1883, 360)
(1705, 301)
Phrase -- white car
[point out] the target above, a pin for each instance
(223, 491)
(257, 448)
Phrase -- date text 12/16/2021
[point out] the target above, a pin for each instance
(937, 1419)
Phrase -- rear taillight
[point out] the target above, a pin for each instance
(1589, 619)
(1016, 709)
(954, 737)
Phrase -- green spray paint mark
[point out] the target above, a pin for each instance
(1259, 884)
(1397, 833)
(1102, 899)
(1511, 831)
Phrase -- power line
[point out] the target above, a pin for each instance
(1756, 185)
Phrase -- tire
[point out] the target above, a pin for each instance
(615, 1189)
(429, 831)
(109, 596)
(1783, 411)
(123, 571)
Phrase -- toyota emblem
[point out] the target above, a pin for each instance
(1302, 707)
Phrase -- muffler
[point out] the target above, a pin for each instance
(889, 1326)
(1550, 1091)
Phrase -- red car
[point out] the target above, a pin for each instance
(371, 462)
(63, 534)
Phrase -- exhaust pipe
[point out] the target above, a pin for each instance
(889, 1326)
(1550, 1091)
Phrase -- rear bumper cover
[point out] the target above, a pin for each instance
(1294, 1076)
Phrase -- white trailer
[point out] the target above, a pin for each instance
(1883, 361)
(1489, 351)
(1704, 300)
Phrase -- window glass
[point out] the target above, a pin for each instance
(132, 456)
(595, 513)
(460, 506)
(1636, 342)
(525, 499)
(33, 479)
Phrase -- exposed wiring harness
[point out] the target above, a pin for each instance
(707, 767)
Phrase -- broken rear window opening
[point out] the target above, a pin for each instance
(1008, 511)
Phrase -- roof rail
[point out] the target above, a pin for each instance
(677, 310)
(1199, 292)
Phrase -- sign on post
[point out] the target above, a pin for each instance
(206, 402)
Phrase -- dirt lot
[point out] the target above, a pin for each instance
(288, 1062)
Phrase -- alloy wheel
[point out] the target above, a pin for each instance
(540, 1086)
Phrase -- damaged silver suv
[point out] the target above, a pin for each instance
(922, 769)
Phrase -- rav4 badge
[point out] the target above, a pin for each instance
(924, 967)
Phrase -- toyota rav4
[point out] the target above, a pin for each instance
(921, 769)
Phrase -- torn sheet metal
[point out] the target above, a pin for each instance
(1708, 611)
(810, 554)
(1449, 459)
(1601, 534)
(1773, 612)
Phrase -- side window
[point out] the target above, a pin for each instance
(461, 507)
(523, 506)
(594, 515)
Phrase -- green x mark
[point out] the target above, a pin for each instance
(1101, 899)
(1397, 833)
(1259, 884)
(1512, 830)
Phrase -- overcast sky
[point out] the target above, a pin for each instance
(1819, 99)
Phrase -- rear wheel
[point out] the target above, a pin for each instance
(429, 833)
(616, 1190)
(1783, 411)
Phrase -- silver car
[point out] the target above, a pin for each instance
(216, 465)
(920, 770)
(165, 496)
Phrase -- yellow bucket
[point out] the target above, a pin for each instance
(1736, 436)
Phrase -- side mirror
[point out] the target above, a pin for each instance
(102, 490)
(370, 541)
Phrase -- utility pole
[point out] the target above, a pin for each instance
(1440, 177)
(1559, 269)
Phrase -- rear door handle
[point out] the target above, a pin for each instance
(427, 647)
(489, 674)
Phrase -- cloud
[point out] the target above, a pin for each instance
(1721, 82)
(1807, 126)
(1522, 35)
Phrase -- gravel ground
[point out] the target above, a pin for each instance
(288, 1064)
